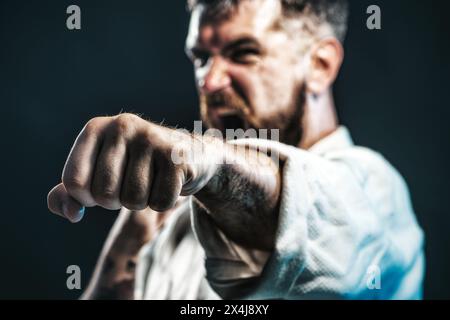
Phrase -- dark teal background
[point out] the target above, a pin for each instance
(392, 94)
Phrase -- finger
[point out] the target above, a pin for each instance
(137, 181)
(109, 172)
(166, 185)
(80, 165)
(62, 204)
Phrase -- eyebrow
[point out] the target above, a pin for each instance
(242, 41)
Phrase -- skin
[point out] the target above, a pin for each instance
(114, 274)
(246, 67)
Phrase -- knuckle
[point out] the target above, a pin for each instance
(159, 207)
(142, 142)
(93, 126)
(73, 183)
(135, 206)
(123, 124)
(103, 189)
(104, 195)
(163, 156)
(133, 201)
(162, 202)
(127, 116)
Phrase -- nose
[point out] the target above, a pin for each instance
(215, 77)
(119, 274)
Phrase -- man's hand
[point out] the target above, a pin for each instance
(125, 161)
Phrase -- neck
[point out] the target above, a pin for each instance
(319, 119)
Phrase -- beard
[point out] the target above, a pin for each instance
(241, 116)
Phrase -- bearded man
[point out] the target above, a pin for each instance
(328, 220)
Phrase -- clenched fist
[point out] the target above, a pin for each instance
(125, 161)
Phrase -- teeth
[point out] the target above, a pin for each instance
(229, 112)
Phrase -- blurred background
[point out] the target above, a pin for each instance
(392, 93)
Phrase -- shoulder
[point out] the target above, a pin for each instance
(366, 164)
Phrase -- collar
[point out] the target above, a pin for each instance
(339, 139)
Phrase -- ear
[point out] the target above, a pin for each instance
(325, 61)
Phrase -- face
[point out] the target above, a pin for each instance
(119, 271)
(248, 70)
(120, 264)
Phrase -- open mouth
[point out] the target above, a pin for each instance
(232, 121)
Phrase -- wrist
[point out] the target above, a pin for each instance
(207, 155)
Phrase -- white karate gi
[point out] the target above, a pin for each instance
(346, 230)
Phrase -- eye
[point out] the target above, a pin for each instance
(109, 265)
(131, 265)
(245, 56)
(200, 62)
(200, 58)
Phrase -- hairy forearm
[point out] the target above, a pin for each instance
(243, 197)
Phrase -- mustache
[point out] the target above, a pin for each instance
(233, 101)
(114, 292)
(230, 100)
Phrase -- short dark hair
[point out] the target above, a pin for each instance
(332, 12)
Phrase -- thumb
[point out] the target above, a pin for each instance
(61, 203)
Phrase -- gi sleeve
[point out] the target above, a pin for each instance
(346, 230)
